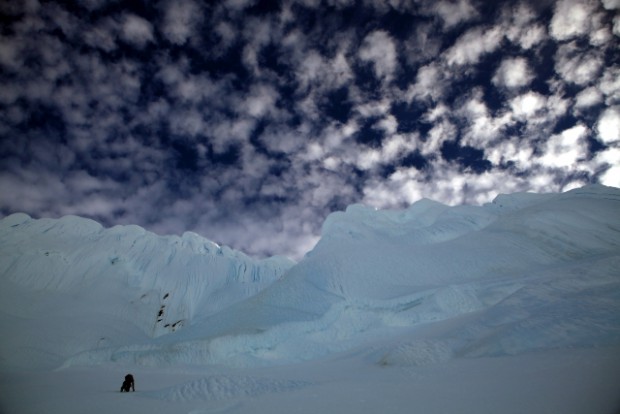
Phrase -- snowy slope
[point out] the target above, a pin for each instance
(99, 287)
(528, 278)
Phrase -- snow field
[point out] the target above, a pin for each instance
(577, 381)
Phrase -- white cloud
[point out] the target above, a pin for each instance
(102, 35)
(527, 105)
(440, 132)
(564, 150)
(422, 45)
(180, 21)
(430, 83)
(436, 113)
(571, 18)
(285, 140)
(576, 65)
(334, 136)
(340, 71)
(557, 106)
(367, 159)
(10, 53)
(471, 46)
(600, 37)
(388, 124)
(608, 125)
(588, 97)
(611, 4)
(453, 13)
(192, 89)
(379, 49)
(601, 33)
(197, 88)
(310, 69)
(519, 23)
(393, 147)
(84, 183)
(258, 33)
(611, 159)
(224, 132)
(189, 122)
(374, 108)
(136, 30)
(405, 186)
(261, 101)
(513, 73)
(316, 73)
(399, 144)
(610, 85)
(331, 163)
(250, 58)
(517, 151)
(532, 36)
(535, 114)
(482, 128)
(227, 34)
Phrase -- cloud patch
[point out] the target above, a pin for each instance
(513, 73)
(571, 18)
(181, 20)
(378, 48)
(136, 30)
(470, 47)
(608, 125)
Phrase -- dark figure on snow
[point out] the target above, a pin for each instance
(128, 383)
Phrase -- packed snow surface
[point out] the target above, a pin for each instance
(515, 303)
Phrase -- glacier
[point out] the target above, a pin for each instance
(527, 278)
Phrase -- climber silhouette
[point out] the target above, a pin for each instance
(128, 383)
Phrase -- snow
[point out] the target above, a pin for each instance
(513, 306)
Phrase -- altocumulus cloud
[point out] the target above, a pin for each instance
(249, 121)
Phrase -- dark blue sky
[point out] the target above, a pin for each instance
(248, 122)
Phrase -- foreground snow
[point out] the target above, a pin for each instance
(509, 307)
(566, 381)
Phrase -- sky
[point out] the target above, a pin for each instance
(249, 121)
